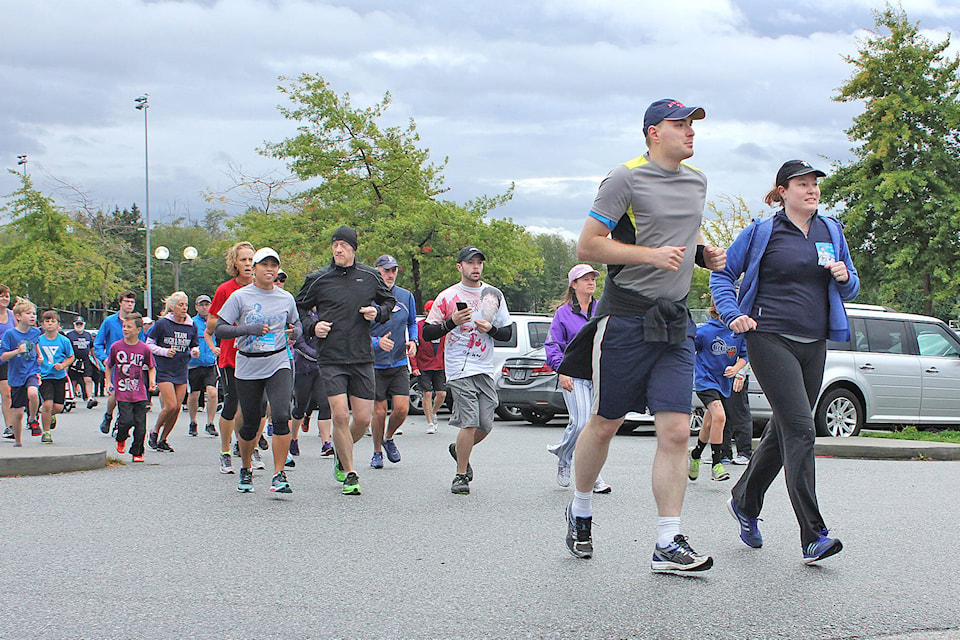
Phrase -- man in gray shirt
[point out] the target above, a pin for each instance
(645, 225)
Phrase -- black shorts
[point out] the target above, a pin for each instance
(432, 381)
(3, 371)
(53, 389)
(356, 380)
(202, 377)
(392, 382)
(19, 398)
(709, 395)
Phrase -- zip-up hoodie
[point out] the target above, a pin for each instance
(337, 294)
(743, 258)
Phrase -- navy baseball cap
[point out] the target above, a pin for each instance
(386, 261)
(669, 109)
(794, 168)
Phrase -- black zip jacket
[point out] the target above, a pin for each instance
(336, 294)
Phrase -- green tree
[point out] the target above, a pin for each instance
(900, 197)
(117, 236)
(46, 256)
(729, 215)
(196, 277)
(379, 180)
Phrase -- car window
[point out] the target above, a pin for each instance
(512, 342)
(539, 332)
(934, 340)
(885, 336)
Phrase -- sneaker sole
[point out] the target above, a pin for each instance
(665, 566)
(725, 476)
(283, 489)
(735, 517)
(832, 551)
(352, 491)
(460, 492)
(244, 489)
(226, 470)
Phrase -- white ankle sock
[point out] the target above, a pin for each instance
(582, 504)
(667, 530)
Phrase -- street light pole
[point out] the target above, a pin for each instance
(162, 253)
(143, 105)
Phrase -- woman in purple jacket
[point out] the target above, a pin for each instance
(573, 311)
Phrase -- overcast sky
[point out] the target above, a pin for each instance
(547, 94)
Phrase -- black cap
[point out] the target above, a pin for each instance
(794, 168)
(468, 253)
(78, 320)
(346, 234)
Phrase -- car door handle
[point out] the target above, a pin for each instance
(933, 370)
(867, 367)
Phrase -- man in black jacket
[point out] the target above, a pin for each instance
(346, 297)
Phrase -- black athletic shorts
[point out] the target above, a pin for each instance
(202, 377)
(53, 389)
(392, 382)
(356, 380)
(431, 381)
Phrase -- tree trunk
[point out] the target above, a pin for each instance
(417, 292)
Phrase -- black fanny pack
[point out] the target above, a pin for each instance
(261, 354)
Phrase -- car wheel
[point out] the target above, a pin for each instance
(839, 414)
(416, 398)
(534, 416)
(696, 421)
(508, 413)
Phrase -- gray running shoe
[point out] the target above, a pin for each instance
(393, 454)
(461, 485)
(257, 462)
(453, 453)
(246, 481)
(226, 465)
(579, 539)
(678, 556)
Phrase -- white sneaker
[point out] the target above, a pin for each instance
(257, 462)
(431, 427)
(740, 460)
(563, 475)
(601, 487)
(398, 432)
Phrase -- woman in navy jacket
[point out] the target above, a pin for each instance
(797, 272)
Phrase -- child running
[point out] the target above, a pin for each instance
(18, 348)
(129, 358)
(57, 356)
(721, 354)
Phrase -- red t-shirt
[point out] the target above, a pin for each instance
(228, 350)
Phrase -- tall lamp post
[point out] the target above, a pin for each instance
(143, 105)
(189, 253)
(22, 160)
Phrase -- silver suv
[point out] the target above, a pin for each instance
(898, 368)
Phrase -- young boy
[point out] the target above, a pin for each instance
(56, 352)
(19, 349)
(129, 357)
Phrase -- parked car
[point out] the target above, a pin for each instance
(897, 369)
(530, 331)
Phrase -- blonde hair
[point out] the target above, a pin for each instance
(232, 256)
(22, 305)
(172, 300)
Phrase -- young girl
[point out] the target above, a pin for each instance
(173, 340)
(721, 354)
(18, 348)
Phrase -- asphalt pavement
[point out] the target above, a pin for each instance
(170, 549)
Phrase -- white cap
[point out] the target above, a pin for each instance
(263, 253)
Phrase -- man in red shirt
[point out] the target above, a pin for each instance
(428, 367)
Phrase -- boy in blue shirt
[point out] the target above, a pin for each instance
(56, 352)
(18, 348)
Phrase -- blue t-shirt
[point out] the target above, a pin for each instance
(206, 359)
(54, 351)
(717, 348)
(22, 365)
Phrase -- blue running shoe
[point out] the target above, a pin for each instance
(824, 547)
(749, 532)
(246, 481)
(376, 462)
(393, 454)
(279, 484)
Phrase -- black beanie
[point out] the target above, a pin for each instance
(346, 234)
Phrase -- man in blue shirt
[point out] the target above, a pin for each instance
(394, 343)
(110, 331)
(203, 372)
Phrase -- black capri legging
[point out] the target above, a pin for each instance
(228, 384)
(278, 388)
(309, 392)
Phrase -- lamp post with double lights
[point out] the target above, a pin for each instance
(189, 253)
(22, 160)
(143, 105)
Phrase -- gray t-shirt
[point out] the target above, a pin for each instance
(274, 307)
(644, 204)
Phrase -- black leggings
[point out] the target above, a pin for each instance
(278, 388)
(309, 392)
(790, 373)
(228, 384)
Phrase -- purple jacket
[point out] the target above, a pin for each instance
(568, 320)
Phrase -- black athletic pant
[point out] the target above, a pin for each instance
(132, 415)
(739, 427)
(278, 389)
(790, 373)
